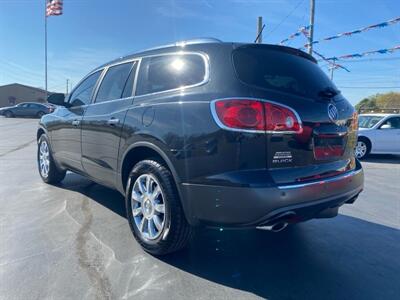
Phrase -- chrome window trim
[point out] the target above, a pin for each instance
(139, 59)
(220, 124)
(206, 71)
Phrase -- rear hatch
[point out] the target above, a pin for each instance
(292, 78)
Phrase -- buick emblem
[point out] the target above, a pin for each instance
(333, 113)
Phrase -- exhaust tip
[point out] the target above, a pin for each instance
(279, 226)
(275, 227)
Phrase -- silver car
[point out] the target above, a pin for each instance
(378, 134)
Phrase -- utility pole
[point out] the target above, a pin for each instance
(259, 30)
(332, 68)
(66, 91)
(311, 38)
(45, 49)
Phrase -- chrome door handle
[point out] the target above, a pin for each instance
(113, 121)
(76, 122)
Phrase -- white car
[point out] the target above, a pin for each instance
(378, 134)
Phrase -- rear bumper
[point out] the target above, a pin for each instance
(228, 206)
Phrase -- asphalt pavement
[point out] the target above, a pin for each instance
(72, 241)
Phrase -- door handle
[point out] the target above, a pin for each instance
(76, 122)
(113, 121)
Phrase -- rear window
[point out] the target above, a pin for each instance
(277, 70)
(168, 72)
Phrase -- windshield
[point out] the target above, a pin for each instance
(368, 121)
(278, 70)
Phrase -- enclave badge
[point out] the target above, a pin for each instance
(333, 113)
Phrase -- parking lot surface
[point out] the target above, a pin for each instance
(72, 241)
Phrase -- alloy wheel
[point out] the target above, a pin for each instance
(148, 206)
(44, 159)
(361, 149)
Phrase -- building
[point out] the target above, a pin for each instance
(14, 93)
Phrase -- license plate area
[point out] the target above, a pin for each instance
(328, 147)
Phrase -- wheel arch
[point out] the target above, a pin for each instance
(367, 140)
(39, 133)
(140, 151)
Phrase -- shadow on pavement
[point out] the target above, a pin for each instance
(340, 258)
(107, 197)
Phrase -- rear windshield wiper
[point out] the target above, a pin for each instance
(328, 92)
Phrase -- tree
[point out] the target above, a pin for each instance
(380, 101)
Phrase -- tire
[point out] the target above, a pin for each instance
(363, 148)
(47, 168)
(40, 114)
(8, 114)
(175, 231)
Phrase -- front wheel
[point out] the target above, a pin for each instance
(8, 114)
(154, 210)
(40, 114)
(47, 167)
(362, 148)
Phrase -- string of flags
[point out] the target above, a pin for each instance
(350, 33)
(357, 55)
(332, 64)
(304, 30)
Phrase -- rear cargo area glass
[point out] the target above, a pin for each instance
(280, 70)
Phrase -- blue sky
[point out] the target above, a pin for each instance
(92, 32)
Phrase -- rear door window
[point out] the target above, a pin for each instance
(279, 70)
(168, 72)
(114, 82)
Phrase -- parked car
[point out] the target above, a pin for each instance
(379, 134)
(208, 133)
(27, 109)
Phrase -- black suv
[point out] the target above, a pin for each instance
(208, 133)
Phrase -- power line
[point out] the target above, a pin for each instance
(285, 18)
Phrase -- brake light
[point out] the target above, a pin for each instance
(255, 115)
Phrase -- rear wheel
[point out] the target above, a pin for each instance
(363, 148)
(154, 211)
(47, 167)
(8, 114)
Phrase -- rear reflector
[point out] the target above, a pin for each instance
(328, 152)
(255, 115)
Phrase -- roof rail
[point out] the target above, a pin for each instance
(187, 42)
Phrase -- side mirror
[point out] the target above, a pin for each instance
(386, 126)
(57, 99)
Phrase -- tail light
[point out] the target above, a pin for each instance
(255, 116)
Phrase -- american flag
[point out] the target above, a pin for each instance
(54, 7)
